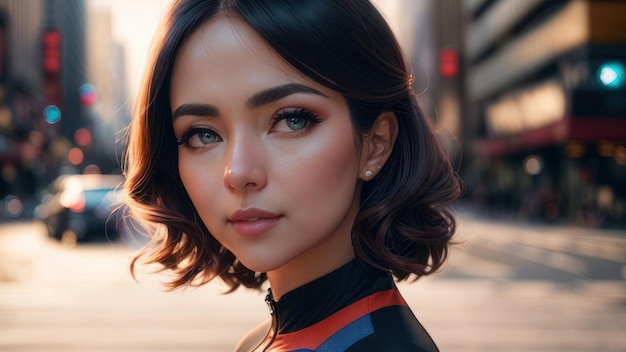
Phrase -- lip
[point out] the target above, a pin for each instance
(253, 222)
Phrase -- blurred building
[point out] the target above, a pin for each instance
(50, 109)
(22, 133)
(545, 108)
(108, 105)
(529, 99)
(430, 34)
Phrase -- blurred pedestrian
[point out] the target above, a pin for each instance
(280, 141)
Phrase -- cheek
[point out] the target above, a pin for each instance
(199, 183)
(325, 173)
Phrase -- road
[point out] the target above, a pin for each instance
(507, 287)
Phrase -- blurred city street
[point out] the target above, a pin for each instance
(527, 97)
(508, 287)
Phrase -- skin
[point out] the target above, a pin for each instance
(307, 174)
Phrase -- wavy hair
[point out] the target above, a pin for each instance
(404, 223)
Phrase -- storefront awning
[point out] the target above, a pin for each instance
(586, 130)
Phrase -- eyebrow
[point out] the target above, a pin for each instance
(261, 98)
(195, 110)
(273, 94)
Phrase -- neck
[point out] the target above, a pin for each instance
(316, 300)
(331, 253)
(301, 271)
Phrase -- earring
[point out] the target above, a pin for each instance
(378, 166)
(368, 173)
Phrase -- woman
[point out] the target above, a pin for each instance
(280, 141)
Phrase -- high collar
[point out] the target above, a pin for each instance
(318, 299)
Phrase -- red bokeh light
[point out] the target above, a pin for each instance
(82, 137)
(75, 156)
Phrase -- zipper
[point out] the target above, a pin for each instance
(271, 304)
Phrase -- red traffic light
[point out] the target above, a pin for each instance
(51, 41)
(448, 63)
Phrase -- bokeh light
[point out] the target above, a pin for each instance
(533, 164)
(52, 114)
(611, 74)
(14, 205)
(92, 169)
(87, 94)
(82, 137)
(75, 156)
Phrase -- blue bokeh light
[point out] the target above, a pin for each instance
(611, 74)
(52, 114)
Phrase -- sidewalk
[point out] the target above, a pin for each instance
(487, 315)
(469, 211)
(501, 313)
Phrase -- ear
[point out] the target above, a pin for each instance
(377, 145)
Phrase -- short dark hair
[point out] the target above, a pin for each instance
(404, 223)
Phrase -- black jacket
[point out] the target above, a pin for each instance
(354, 308)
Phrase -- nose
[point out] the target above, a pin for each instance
(244, 171)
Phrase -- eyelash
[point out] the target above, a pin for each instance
(184, 140)
(309, 117)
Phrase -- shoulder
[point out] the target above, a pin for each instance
(397, 329)
(254, 337)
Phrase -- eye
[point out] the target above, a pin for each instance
(294, 120)
(196, 138)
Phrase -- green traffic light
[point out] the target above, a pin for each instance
(611, 74)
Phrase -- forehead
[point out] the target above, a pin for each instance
(223, 37)
(226, 51)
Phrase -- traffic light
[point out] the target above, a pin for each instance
(51, 41)
(611, 74)
(51, 66)
(448, 63)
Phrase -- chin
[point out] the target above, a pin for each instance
(262, 265)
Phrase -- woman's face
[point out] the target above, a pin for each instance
(267, 156)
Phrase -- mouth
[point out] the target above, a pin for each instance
(253, 222)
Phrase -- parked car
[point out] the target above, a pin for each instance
(79, 207)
